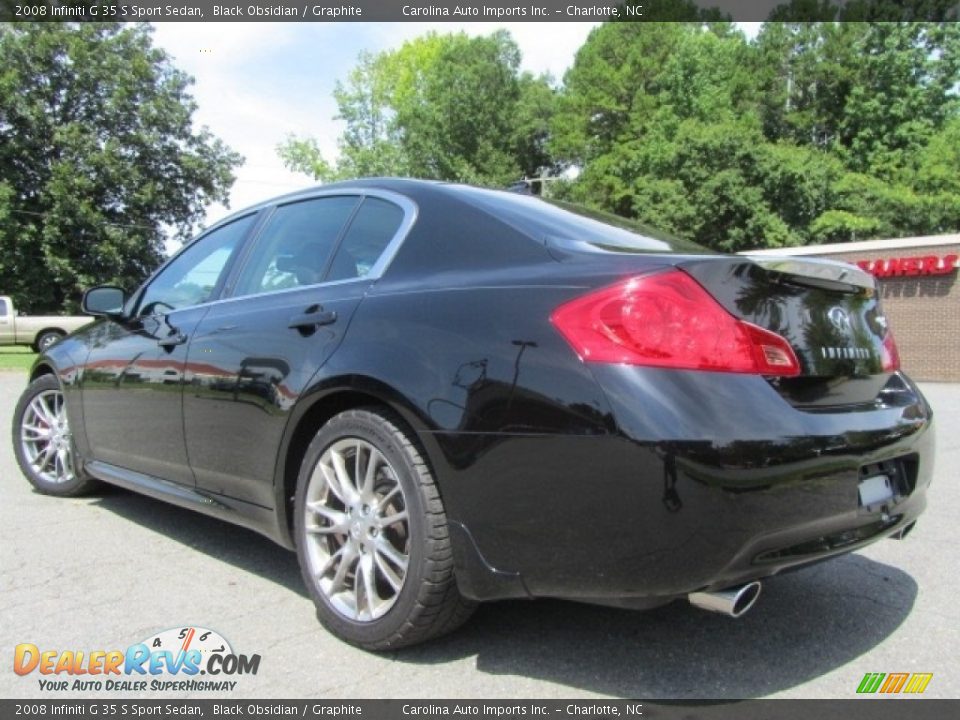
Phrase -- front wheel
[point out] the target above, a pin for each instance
(372, 536)
(42, 440)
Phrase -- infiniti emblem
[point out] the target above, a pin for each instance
(839, 318)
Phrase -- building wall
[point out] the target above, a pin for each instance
(924, 311)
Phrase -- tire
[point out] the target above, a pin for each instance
(46, 339)
(373, 547)
(42, 441)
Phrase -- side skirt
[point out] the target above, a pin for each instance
(259, 519)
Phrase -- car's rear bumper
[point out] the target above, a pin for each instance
(710, 482)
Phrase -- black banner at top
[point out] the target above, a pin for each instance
(524, 709)
(479, 10)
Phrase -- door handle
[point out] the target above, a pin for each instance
(172, 341)
(312, 318)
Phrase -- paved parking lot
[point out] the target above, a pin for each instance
(105, 571)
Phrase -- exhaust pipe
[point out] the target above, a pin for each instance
(901, 534)
(732, 602)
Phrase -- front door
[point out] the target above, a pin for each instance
(132, 381)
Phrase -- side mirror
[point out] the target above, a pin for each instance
(104, 301)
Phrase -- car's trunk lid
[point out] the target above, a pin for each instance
(827, 311)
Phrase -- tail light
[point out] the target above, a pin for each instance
(890, 355)
(668, 320)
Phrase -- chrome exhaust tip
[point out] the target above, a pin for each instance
(732, 602)
(903, 532)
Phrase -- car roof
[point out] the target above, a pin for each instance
(510, 207)
(410, 187)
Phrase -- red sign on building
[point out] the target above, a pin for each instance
(910, 266)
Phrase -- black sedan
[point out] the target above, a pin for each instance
(440, 395)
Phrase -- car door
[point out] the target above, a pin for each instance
(132, 380)
(253, 353)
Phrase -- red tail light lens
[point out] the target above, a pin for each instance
(669, 320)
(890, 355)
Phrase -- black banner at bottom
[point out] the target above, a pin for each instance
(853, 709)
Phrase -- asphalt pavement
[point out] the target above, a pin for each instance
(108, 570)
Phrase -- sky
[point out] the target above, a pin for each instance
(257, 83)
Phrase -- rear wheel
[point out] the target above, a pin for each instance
(46, 339)
(43, 442)
(372, 535)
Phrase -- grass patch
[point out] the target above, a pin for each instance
(16, 358)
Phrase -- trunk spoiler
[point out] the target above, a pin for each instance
(816, 272)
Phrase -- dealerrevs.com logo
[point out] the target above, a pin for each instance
(183, 659)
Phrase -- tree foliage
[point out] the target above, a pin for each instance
(448, 107)
(99, 160)
(813, 132)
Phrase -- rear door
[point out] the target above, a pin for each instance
(291, 302)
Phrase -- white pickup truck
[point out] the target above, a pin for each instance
(37, 331)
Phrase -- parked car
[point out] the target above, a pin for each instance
(440, 395)
(37, 331)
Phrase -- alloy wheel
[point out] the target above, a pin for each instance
(45, 438)
(357, 530)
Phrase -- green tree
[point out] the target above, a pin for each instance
(873, 93)
(611, 91)
(814, 132)
(880, 98)
(99, 160)
(936, 168)
(446, 107)
(663, 120)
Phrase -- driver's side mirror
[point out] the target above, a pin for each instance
(104, 301)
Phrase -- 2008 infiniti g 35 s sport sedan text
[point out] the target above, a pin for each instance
(441, 395)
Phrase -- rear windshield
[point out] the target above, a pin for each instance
(567, 224)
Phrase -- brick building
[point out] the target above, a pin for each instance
(918, 285)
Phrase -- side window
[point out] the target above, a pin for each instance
(3, 307)
(372, 228)
(192, 276)
(294, 248)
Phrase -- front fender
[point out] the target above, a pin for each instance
(65, 361)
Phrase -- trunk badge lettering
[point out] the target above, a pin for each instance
(845, 353)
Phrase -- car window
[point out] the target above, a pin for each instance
(3, 307)
(192, 277)
(563, 223)
(294, 248)
(371, 229)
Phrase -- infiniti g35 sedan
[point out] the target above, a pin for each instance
(440, 395)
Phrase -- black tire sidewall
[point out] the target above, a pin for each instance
(378, 431)
(79, 483)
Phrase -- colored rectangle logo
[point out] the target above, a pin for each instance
(894, 683)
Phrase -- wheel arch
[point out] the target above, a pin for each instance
(320, 403)
(40, 369)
